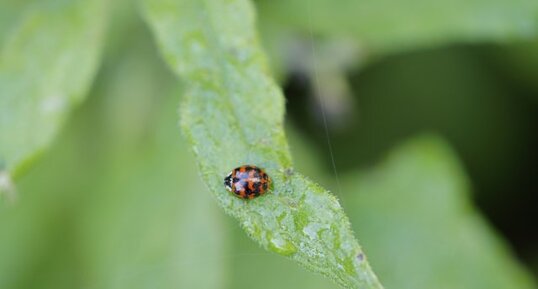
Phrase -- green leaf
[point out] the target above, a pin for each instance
(520, 61)
(176, 235)
(148, 193)
(385, 25)
(232, 115)
(131, 214)
(420, 228)
(47, 62)
(11, 10)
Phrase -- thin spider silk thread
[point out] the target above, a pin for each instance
(321, 100)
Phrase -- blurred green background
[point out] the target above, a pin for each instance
(435, 148)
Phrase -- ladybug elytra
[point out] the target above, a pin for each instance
(247, 182)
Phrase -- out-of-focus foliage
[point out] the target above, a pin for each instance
(232, 114)
(384, 25)
(48, 57)
(116, 203)
(10, 12)
(521, 62)
(371, 29)
(416, 219)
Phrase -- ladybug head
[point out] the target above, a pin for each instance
(228, 182)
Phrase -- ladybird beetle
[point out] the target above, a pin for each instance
(247, 182)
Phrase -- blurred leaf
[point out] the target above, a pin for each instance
(384, 25)
(421, 230)
(47, 63)
(119, 207)
(10, 12)
(519, 62)
(232, 114)
(156, 228)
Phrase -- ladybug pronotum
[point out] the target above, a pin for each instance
(247, 182)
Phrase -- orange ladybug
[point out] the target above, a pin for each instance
(247, 182)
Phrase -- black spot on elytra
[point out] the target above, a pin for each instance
(256, 186)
